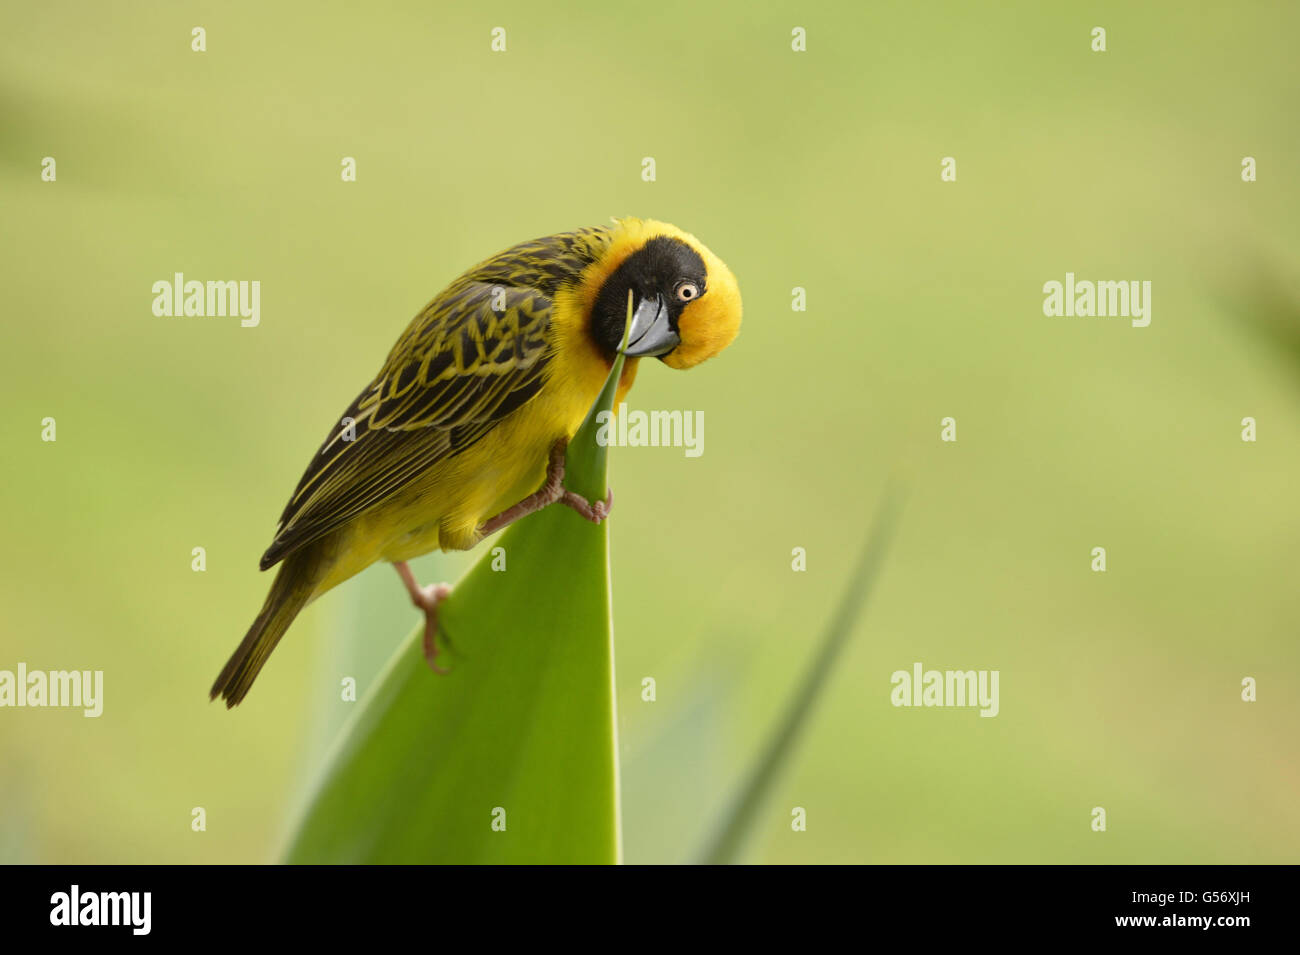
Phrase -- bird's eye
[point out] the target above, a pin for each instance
(687, 291)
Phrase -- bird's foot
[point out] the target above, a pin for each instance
(552, 491)
(594, 511)
(426, 599)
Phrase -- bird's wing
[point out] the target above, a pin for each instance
(475, 354)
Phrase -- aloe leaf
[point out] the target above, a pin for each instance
(512, 756)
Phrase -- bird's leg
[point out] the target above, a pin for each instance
(551, 492)
(426, 599)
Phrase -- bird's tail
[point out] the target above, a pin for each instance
(292, 589)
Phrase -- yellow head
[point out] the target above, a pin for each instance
(686, 303)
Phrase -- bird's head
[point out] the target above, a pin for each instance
(685, 301)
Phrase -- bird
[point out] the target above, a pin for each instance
(463, 430)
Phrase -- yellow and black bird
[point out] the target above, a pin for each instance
(464, 428)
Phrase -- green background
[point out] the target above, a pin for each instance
(816, 169)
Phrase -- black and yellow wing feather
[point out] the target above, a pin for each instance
(472, 356)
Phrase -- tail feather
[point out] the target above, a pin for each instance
(290, 592)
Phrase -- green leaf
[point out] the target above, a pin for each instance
(738, 822)
(524, 723)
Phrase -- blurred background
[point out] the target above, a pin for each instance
(818, 169)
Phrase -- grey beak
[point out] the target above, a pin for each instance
(651, 332)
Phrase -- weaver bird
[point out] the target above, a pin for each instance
(464, 428)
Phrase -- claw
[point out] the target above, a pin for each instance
(594, 511)
(426, 599)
